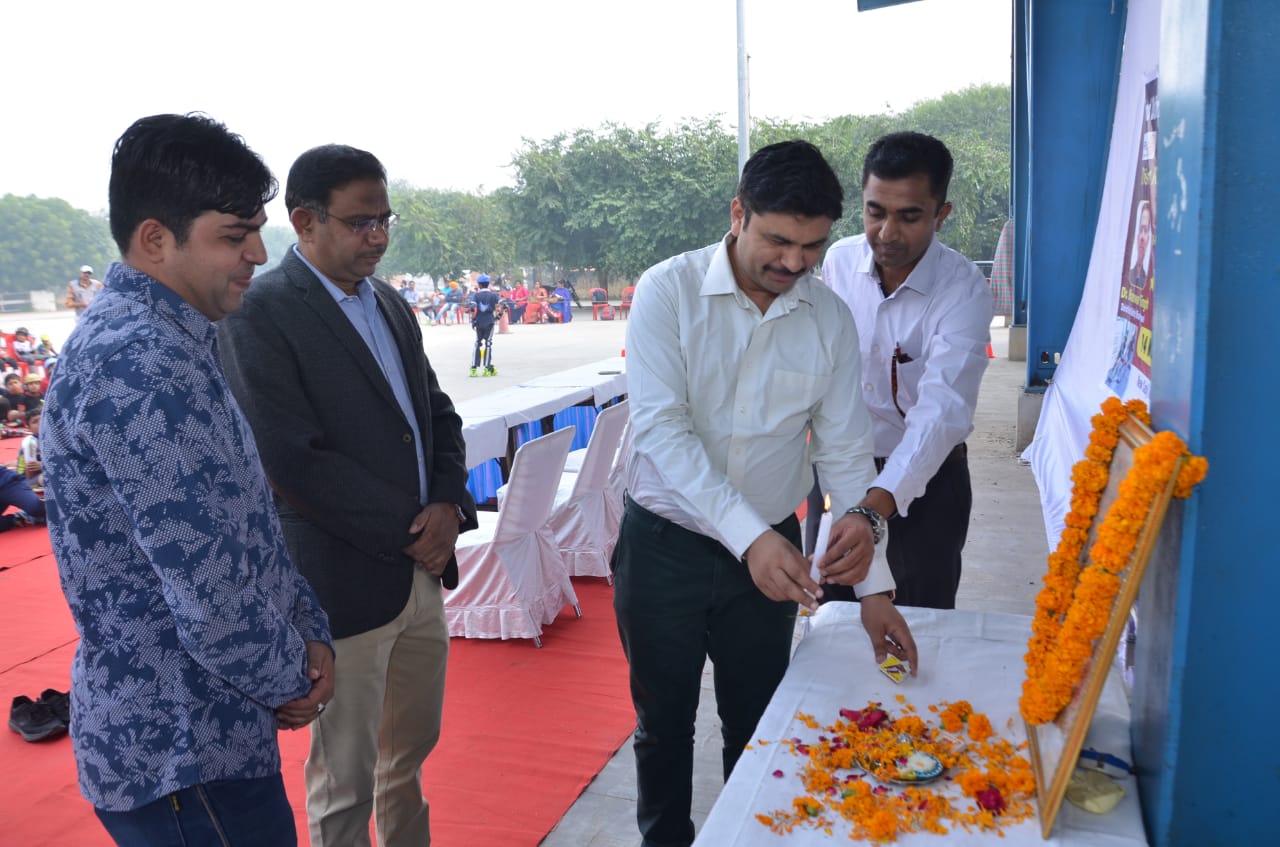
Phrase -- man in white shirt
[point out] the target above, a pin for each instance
(923, 313)
(734, 355)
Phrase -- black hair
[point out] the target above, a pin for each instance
(322, 170)
(903, 154)
(791, 177)
(174, 168)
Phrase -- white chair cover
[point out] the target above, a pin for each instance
(581, 518)
(512, 579)
(618, 482)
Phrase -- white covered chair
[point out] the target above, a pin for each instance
(582, 519)
(512, 580)
(618, 480)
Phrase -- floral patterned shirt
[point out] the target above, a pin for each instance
(193, 621)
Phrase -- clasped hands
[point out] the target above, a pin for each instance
(782, 573)
(298, 713)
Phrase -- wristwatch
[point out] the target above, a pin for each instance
(879, 526)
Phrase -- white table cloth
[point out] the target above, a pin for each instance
(485, 437)
(606, 378)
(964, 655)
(521, 404)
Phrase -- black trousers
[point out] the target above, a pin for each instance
(484, 346)
(925, 546)
(681, 597)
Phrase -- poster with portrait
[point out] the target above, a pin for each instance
(1130, 372)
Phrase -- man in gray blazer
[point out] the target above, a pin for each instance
(365, 455)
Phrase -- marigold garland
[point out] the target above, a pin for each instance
(1073, 608)
(989, 771)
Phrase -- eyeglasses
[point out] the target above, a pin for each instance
(364, 226)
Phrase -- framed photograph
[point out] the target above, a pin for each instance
(1056, 746)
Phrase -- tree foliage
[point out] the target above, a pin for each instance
(620, 199)
(44, 241)
(616, 199)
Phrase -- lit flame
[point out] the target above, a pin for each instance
(826, 503)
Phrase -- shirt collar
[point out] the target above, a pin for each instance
(138, 285)
(337, 293)
(719, 279)
(922, 277)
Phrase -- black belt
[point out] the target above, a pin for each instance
(960, 451)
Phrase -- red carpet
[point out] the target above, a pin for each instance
(525, 730)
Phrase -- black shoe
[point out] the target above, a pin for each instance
(59, 702)
(34, 721)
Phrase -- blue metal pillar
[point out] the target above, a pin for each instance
(1072, 63)
(1020, 148)
(1206, 732)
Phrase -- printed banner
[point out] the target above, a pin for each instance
(1130, 372)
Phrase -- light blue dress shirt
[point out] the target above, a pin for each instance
(361, 309)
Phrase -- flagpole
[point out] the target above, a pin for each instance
(744, 112)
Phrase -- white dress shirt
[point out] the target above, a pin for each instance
(940, 320)
(722, 398)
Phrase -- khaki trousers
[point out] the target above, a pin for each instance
(368, 746)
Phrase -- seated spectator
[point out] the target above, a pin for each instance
(519, 302)
(15, 398)
(452, 302)
(14, 491)
(29, 464)
(7, 359)
(559, 301)
(45, 347)
(28, 400)
(24, 346)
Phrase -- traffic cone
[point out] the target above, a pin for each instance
(991, 354)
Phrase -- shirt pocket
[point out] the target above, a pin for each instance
(792, 395)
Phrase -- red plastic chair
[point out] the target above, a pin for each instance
(599, 302)
(624, 308)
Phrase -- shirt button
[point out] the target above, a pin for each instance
(868, 387)
(408, 438)
(875, 348)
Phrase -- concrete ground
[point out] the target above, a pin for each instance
(1005, 554)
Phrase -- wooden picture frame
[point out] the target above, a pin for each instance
(1056, 746)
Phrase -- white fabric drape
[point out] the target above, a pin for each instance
(512, 579)
(581, 516)
(1079, 385)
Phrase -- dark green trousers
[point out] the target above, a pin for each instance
(681, 597)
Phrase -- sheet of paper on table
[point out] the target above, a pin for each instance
(964, 655)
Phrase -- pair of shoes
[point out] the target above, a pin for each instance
(474, 373)
(40, 719)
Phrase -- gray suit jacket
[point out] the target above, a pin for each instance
(335, 444)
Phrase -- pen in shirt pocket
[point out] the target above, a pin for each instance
(899, 356)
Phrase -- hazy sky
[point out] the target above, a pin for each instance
(443, 92)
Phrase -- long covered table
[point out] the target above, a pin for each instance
(606, 378)
(491, 423)
(964, 655)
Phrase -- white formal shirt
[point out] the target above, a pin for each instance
(939, 319)
(722, 398)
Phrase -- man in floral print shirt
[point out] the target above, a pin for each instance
(198, 637)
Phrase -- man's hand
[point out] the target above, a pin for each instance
(849, 551)
(887, 630)
(438, 523)
(298, 713)
(780, 572)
